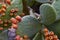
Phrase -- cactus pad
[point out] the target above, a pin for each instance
(28, 26)
(48, 14)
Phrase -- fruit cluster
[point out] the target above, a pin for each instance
(49, 35)
(22, 38)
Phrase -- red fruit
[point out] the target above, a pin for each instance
(12, 10)
(8, 1)
(25, 37)
(18, 18)
(45, 30)
(1, 28)
(15, 26)
(4, 6)
(51, 33)
(55, 37)
(13, 20)
(1, 22)
(17, 37)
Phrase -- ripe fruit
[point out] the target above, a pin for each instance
(13, 20)
(4, 6)
(45, 30)
(18, 18)
(12, 10)
(1, 22)
(3, 14)
(5, 24)
(17, 37)
(1, 28)
(16, 10)
(25, 37)
(51, 33)
(15, 26)
(3, 10)
(11, 14)
(8, 1)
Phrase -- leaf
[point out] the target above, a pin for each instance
(28, 26)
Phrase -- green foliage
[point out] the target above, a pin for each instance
(48, 14)
(28, 26)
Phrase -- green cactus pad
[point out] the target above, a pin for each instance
(48, 14)
(56, 5)
(38, 36)
(44, 1)
(28, 26)
(55, 27)
(4, 35)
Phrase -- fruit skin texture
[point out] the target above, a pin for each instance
(15, 26)
(13, 20)
(8, 1)
(18, 18)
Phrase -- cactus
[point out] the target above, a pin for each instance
(55, 27)
(56, 5)
(16, 23)
(28, 26)
(7, 14)
(47, 17)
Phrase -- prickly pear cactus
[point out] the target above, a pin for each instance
(56, 5)
(28, 26)
(55, 27)
(48, 14)
(8, 10)
(45, 1)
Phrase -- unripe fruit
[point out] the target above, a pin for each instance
(13, 20)
(18, 18)
(15, 26)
